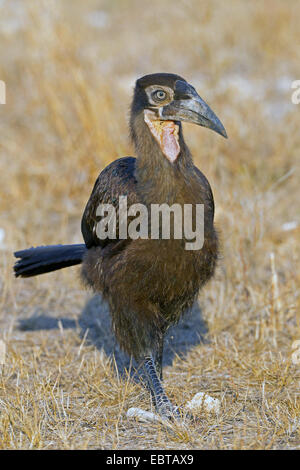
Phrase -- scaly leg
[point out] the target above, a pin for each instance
(163, 405)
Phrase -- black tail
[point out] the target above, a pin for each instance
(44, 259)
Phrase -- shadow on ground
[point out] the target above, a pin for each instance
(95, 318)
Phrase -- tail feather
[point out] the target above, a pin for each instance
(44, 259)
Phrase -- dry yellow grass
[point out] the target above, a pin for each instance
(69, 71)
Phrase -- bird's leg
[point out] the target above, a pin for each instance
(162, 403)
(159, 357)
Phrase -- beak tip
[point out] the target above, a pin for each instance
(224, 133)
(220, 129)
(215, 124)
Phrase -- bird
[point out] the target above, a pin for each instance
(148, 282)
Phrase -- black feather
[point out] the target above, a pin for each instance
(44, 259)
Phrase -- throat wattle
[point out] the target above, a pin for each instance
(169, 140)
(166, 133)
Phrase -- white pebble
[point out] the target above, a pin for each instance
(201, 400)
(142, 415)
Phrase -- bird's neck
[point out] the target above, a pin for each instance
(159, 180)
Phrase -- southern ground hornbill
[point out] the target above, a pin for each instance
(148, 282)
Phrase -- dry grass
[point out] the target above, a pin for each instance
(69, 75)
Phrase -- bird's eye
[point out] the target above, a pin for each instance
(159, 95)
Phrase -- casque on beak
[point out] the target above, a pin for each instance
(189, 106)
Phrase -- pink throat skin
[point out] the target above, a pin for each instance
(165, 133)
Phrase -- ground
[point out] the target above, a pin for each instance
(69, 73)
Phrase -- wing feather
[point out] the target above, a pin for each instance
(117, 179)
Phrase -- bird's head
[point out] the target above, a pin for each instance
(165, 99)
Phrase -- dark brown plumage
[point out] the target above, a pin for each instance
(149, 283)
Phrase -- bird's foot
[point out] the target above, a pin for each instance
(174, 413)
(166, 410)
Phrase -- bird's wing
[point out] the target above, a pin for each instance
(208, 195)
(116, 180)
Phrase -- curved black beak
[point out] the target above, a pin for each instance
(189, 106)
